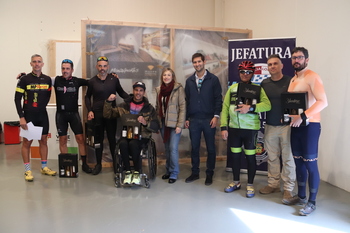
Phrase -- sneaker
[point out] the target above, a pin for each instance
(294, 201)
(228, 169)
(308, 209)
(28, 176)
(232, 187)
(268, 189)
(48, 171)
(192, 178)
(250, 191)
(136, 178)
(128, 177)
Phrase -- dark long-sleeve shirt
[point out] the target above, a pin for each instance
(100, 90)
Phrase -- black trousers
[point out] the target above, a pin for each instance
(133, 148)
(110, 125)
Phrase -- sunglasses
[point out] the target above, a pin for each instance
(67, 61)
(246, 71)
(102, 59)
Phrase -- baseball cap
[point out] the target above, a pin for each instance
(139, 84)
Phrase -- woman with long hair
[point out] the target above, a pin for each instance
(171, 110)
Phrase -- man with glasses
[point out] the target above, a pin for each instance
(67, 96)
(240, 124)
(277, 135)
(304, 139)
(99, 89)
(203, 107)
(35, 89)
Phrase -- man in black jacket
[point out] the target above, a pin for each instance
(203, 107)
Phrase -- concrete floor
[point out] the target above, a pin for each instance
(92, 204)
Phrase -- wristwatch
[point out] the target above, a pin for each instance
(252, 108)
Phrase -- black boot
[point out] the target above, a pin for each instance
(97, 169)
(86, 168)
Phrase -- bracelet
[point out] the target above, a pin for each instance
(303, 116)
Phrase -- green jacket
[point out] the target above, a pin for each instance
(231, 118)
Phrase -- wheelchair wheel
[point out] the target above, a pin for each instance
(152, 160)
(117, 181)
(147, 183)
(154, 155)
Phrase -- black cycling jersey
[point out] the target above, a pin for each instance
(36, 92)
(67, 93)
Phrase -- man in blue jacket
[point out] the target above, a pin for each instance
(203, 107)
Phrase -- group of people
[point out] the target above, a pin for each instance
(294, 146)
(199, 107)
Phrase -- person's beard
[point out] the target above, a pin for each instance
(300, 67)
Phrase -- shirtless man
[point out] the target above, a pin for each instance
(304, 139)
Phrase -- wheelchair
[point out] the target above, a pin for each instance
(148, 161)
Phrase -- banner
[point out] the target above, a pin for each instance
(257, 51)
(140, 51)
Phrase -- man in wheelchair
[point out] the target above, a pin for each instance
(137, 107)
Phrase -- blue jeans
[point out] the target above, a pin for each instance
(197, 126)
(172, 153)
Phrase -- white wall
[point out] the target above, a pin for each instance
(27, 26)
(321, 26)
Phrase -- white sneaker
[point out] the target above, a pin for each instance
(136, 178)
(128, 177)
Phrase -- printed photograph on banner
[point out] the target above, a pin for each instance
(213, 45)
(141, 52)
(134, 53)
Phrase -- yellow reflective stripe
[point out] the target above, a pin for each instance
(250, 152)
(236, 149)
(20, 90)
(38, 87)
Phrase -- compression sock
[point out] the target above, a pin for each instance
(26, 167)
(83, 158)
(314, 179)
(43, 163)
(301, 173)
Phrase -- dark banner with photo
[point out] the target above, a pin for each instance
(257, 51)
